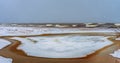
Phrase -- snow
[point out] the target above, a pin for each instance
(117, 38)
(4, 43)
(5, 60)
(116, 54)
(18, 31)
(62, 46)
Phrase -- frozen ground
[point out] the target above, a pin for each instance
(65, 46)
(116, 54)
(4, 43)
(5, 60)
(16, 31)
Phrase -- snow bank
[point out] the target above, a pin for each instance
(5, 60)
(65, 46)
(116, 54)
(4, 43)
(16, 31)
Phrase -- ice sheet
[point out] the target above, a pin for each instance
(5, 60)
(68, 46)
(4, 43)
(116, 54)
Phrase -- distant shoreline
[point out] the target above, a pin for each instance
(64, 25)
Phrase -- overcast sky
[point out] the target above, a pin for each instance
(59, 11)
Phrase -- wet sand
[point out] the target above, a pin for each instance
(18, 56)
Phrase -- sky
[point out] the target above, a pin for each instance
(59, 11)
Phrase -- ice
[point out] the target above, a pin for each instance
(116, 54)
(4, 43)
(66, 46)
(5, 60)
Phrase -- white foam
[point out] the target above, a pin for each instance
(67, 46)
(18, 31)
(4, 43)
(116, 54)
(5, 60)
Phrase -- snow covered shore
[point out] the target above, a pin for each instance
(4, 43)
(18, 31)
(67, 46)
(5, 60)
(116, 54)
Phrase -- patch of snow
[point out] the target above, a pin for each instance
(65, 46)
(18, 31)
(5, 60)
(4, 43)
(116, 54)
(117, 38)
